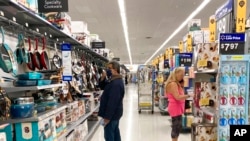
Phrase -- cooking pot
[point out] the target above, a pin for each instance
(22, 107)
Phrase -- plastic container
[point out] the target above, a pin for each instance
(30, 76)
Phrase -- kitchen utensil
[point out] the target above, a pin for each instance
(44, 59)
(30, 55)
(36, 56)
(21, 52)
(7, 57)
(22, 107)
(57, 61)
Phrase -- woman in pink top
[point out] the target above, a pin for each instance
(176, 100)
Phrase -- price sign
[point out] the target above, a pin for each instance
(202, 63)
(232, 43)
(186, 59)
(166, 63)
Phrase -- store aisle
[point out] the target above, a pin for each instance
(141, 127)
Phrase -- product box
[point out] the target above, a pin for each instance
(6, 132)
(44, 130)
(207, 57)
(81, 107)
(207, 94)
(205, 132)
(79, 27)
(72, 112)
(61, 123)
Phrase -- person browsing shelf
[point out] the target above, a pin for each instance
(176, 100)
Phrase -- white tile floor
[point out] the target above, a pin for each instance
(141, 127)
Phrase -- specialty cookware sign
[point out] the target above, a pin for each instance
(53, 6)
(66, 62)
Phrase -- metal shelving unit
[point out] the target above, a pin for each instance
(10, 89)
(23, 17)
(72, 126)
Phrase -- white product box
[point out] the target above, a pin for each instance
(79, 27)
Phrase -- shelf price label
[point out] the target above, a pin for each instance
(185, 59)
(232, 43)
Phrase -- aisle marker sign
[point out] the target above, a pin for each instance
(66, 62)
(189, 43)
(241, 16)
(212, 28)
(232, 43)
(181, 46)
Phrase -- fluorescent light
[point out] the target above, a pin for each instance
(121, 4)
(191, 16)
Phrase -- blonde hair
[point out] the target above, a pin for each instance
(172, 76)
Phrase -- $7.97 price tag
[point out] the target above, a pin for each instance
(227, 46)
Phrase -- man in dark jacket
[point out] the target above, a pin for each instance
(111, 105)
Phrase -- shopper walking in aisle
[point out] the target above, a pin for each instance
(111, 105)
(176, 100)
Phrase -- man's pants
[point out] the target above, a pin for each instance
(112, 131)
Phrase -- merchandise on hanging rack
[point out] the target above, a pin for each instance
(233, 93)
(34, 89)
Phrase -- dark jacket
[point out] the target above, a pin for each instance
(111, 105)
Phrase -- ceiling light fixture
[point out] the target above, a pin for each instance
(191, 16)
(121, 4)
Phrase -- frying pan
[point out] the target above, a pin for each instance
(30, 64)
(36, 57)
(7, 58)
(57, 61)
(44, 59)
(21, 52)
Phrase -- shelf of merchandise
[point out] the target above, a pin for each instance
(11, 89)
(24, 16)
(37, 117)
(73, 125)
(211, 71)
(208, 111)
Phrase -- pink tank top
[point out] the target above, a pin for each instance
(175, 107)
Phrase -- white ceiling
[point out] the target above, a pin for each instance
(145, 18)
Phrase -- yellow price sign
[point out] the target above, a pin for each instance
(202, 63)
(241, 16)
(204, 102)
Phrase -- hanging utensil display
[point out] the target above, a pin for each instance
(21, 52)
(36, 56)
(44, 59)
(30, 64)
(7, 58)
(56, 60)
